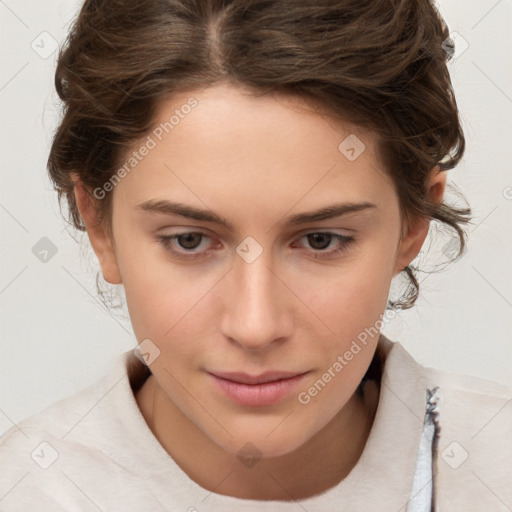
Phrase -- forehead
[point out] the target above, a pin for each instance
(224, 143)
(226, 109)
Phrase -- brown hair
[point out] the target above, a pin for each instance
(379, 64)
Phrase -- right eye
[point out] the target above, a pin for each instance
(188, 241)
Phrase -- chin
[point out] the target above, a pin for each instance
(267, 444)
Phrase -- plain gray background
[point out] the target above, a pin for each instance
(57, 338)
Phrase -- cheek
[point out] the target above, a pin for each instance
(349, 298)
(352, 308)
(156, 297)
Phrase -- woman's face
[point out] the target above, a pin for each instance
(262, 292)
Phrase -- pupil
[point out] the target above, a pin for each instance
(316, 236)
(188, 237)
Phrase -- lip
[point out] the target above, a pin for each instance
(244, 378)
(259, 390)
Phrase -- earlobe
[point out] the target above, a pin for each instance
(99, 238)
(417, 230)
(411, 244)
(436, 185)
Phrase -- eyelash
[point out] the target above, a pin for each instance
(346, 242)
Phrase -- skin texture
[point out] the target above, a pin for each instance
(254, 161)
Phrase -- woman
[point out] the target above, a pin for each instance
(255, 174)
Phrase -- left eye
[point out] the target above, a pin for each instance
(318, 240)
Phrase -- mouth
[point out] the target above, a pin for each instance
(258, 390)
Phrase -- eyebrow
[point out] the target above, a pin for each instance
(163, 206)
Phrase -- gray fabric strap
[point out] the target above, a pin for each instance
(422, 492)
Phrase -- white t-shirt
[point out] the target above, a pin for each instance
(94, 451)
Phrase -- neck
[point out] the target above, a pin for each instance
(272, 478)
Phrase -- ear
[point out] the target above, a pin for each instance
(101, 241)
(417, 230)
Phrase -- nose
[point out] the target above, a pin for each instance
(257, 311)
